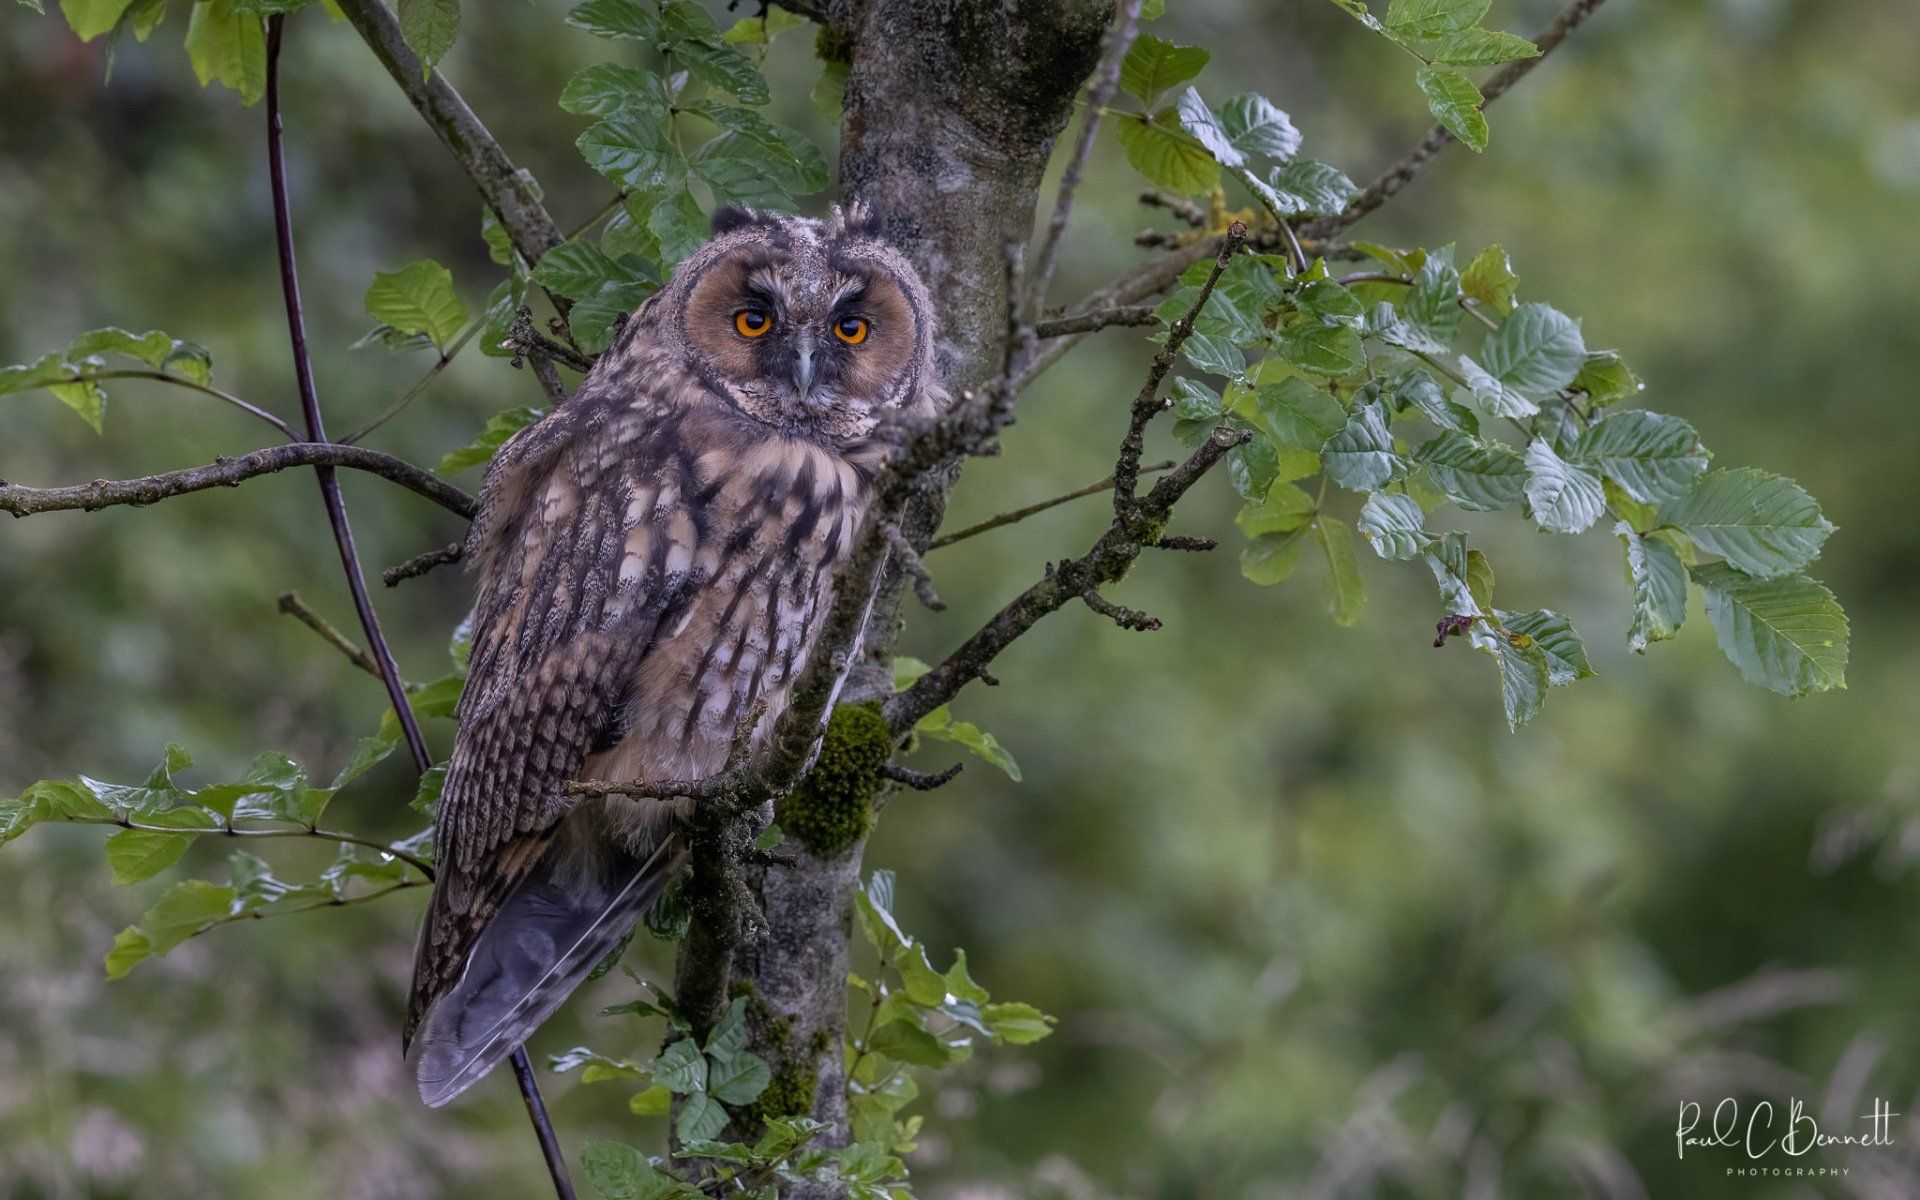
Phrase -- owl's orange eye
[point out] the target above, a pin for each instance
(751, 322)
(852, 331)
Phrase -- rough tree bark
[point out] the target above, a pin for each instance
(952, 110)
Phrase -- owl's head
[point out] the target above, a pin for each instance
(817, 327)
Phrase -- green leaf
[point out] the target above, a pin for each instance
(503, 306)
(763, 28)
(1017, 1023)
(1252, 467)
(633, 146)
(1482, 48)
(1556, 639)
(1787, 634)
(182, 911)
(84, 397)
(940, 726)
(1271, 558)
(579, 270)
(426, 796)
(418, 298)
(1417, 390)
(1197, 119)
(1466, 583)
(1764, 525)
(90, 18)
(740, 172)
(724, 67)
(622, 1173)
(1659, 588)
(1489, 278)
(1424, 19)
(904, 1041)
(599, 1067)
(137, 854)
(738, 1078)
(1296, 413)
(494, 435)
(1286, 508)
(1357, 9)
(1455, 103)
(1652, 456)
(608, 88)
(679, 226)
(1536, 351)
(1605, 378)
(1306, 187)
(1345, 592)
(228, 47)
(1476, 475)
(1360, 457)
(1433, 306)
(682, 1068)
(1153, 65)
(655, 1101)
(1566, 497)
(618, 19)
(1394, 526)
(1255, 128)
(152, 347)
(429, 27)
(1524, 676)
(1167, 155)
(1331, 350)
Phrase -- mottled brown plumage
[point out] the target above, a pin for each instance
(657, 555)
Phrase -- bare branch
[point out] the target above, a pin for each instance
(1179, 206)
(529, 226)
(1126, 618)
(295, 607)
(916, 570)
(1191, 544)
(1125, 314)
(1105, 78)
(24, 501)
(420, 564)
(1021, 514)
(420, 385)
(921, 781)
(204, 389)
(523, 338)
(1416, 159)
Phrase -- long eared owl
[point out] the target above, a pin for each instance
(657, 556)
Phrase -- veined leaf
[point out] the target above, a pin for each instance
(1652, 456)
(1423, 19)
(1395, 527)
(1556, 639)
(494, 435)
(1345, 591)
(418, 298)
(1153, 65)
(1361, 457)
(1659, 588)
(612, 87)
(1489, 278)
(429, 27)
(1166, 154)
(1455, 103)
(1762, 524)
(228, 47)
(1786, 634)
(1433, 306)
(1536, 351)
(1305, 187)
(1482, 48)
(1566, 497)
(1296, 413)
(1476, 475)
(618, 19)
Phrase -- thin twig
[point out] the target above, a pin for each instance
(295, 607)
(204, 389)
(920, 781)
(337, 511)
(1126, 618)
(915, 569)
(1416, 159)
(523, 338)
(1088, 322)
(22, 501)
(411, 394)
(420, 564)
(1179, 206)
(1105, 78)
(1020, 514)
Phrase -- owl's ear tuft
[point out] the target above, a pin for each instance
(729, 217)
(861, 219)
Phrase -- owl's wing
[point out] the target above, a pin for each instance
(593, 539)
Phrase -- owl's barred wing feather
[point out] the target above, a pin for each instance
(593, 539)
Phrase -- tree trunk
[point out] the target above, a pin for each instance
(952, 109)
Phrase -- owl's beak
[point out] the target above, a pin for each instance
(803, 369)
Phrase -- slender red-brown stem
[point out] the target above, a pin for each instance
(343, 536)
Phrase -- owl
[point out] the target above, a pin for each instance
(657, 556)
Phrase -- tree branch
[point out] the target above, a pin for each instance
(529, 226)
(1020, 514)
(1088, 322)
(203, 389)
(420, 564)
(1105, 78)
(22, 501)
(1416, 159)
(292, 605)
(336, 504)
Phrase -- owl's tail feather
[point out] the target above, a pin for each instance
(539, 946)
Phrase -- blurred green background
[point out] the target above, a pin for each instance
(1314, 923)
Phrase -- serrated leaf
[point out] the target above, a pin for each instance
(904, 1041)
(1345, 591)
(682, 1068)
(1659, 588)
(1285, 508)
(429, 28)
(1271, 558)
(579, 270)
(1296, 413)
(1319, 349)
(622, 1173)
(1153, 65)
(1455, 103)
(1524, 677)
(1536, 351)
(1417, 390)
(1394, 526)
(1652, 456)
(1566, 497)
(1361, 457)
(1464, 588)
(1166, 154)
(137, 854)
(1556, 639)
(227, 47)
(940, 726)
(1306, 187)
(763, 28)
(182, 911)
(1433, 305)
(1788, 634)
(1764, 525)
(738, 1078)
(1255, 128)
(724, 67)
(89, 18)
(1495, 398)
(1489, 278)
(1605, 378)
(1017, 1023)
(1252, 467)
(633, 146)
(151, 347)
(418, 298)
(1422, 19)
(618, 19)
(680, 227)
(1482, 48)
(1477, 475)
(84, 397)
(608, 88)
(492, 436)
